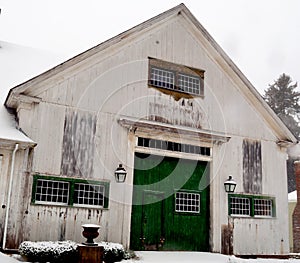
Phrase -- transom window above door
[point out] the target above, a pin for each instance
(175, 77)
(173, 146)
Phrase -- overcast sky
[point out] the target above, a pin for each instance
(261, 36)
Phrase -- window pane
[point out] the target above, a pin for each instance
(162, 78)
(89, 194)
(239, 206)
(189, 84)
(187, 202)
(52, 191)
(262, 207)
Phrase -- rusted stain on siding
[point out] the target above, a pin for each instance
(11, 241)
(227, 239)
(78, 144)
(184, 112)
(252, 166)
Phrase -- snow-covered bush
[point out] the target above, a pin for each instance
(66, 251)
(113, 252)
(48, 251)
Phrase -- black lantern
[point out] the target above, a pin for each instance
(120, 174)
(229, 185)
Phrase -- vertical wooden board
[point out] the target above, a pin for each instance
(65, 223)
(49, 139)
(90, 254)
(4, 177)
(56, 94)
(252, 167)
(78, 144)
(4, 173)
(78, 84)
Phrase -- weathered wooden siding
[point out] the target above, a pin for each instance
(20, 194)
(113, 83)
(252, 167)
(4, 176)
(78, 144)
(122, 76)
(272, 232)
(44, 123)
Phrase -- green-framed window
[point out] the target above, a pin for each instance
(69, 192)
(241, 205)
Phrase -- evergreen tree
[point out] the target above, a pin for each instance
(284, 100)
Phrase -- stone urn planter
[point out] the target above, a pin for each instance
(90, 231)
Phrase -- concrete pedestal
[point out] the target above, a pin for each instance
(90, 254)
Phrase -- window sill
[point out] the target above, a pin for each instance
(252, 217)
(69, 206)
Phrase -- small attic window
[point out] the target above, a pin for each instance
(175, 77)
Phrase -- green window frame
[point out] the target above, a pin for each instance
(258, 206)
(62, 191)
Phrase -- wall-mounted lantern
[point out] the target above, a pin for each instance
(120, 174)
(229, 185)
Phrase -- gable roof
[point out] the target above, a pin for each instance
(253, 96)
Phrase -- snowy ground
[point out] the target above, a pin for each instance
(168, 257)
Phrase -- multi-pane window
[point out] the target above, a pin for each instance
(187, 202)
(69, 191)
(262, 207)
(173, 146)
(52, 191)
(189, 84)
(89, 194)
(176, 77)
(162, 78)
(239, 206)
(251, 205)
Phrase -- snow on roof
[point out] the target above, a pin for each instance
(292, 196)
(17, 65)
(8, 130)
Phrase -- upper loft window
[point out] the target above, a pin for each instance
(176, 77)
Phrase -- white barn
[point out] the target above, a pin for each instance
(166, 102)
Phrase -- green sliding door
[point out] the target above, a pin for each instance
(170, 209)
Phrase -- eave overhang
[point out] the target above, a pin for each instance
(157, 128)
(10, 144)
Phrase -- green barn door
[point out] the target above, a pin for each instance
(152, 219)
(169, 212)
